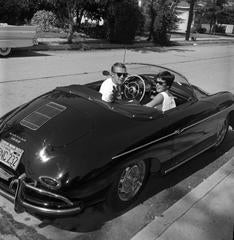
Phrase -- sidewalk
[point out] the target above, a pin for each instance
(206, 213)
(61, 43)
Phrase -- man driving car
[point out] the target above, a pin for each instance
(110, 88)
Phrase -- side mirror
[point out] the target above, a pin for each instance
(105, 73)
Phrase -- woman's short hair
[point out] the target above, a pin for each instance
(167, 77)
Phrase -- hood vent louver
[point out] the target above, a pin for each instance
(42, 115)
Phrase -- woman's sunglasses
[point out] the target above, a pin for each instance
(160, 83)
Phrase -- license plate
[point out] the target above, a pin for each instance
(9, 154)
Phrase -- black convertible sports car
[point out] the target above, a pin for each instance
(68, 149)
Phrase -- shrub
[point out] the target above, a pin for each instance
(44, 19)
(164, 22)
(201, 30)
(94, 31)
(219, 29)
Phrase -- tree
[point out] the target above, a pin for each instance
(227, 17)
(17, 12)
(70, 13)
(160, 18)
(213, 11)
(163, 19)
(11, 11)
(122, 20)
(190, 19)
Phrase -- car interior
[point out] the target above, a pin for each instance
(142, 88)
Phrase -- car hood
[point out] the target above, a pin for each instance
(53, 118)
(67, 136)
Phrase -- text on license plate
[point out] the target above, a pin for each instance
(9, 154)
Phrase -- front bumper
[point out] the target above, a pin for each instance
(62, 206)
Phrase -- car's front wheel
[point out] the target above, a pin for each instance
(4, 52)
(128, 184)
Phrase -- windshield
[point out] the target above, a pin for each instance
(141, 69)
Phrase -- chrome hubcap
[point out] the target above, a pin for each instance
(131, 181)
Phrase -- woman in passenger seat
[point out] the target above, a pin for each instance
(163, 100)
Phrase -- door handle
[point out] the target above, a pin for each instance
(178, 131)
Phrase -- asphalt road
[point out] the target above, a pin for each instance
(27, 74)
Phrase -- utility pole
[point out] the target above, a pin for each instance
(190, 19)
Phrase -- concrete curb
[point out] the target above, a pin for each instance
(160, 225)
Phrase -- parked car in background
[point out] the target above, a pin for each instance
(16, 37)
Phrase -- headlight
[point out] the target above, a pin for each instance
(50, 182)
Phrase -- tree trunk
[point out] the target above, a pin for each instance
(211, 27)
(151, 30)
(152, 14)
(70, 33)
(190, 20)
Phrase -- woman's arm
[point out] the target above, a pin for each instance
(157, 100)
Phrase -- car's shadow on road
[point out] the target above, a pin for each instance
(27, 53)
(93, 218)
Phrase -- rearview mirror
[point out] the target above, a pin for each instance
(106, 73)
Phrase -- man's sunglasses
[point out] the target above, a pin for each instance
(121, 74)
(160, 83)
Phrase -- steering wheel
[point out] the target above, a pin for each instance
(133, 88)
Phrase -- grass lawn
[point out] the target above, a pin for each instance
(199, 35)
(82, 36)
(51, 34)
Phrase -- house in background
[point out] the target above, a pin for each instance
(182, 10)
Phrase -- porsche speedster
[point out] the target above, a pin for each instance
(67, 149)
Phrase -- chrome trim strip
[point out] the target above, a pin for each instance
(7, 195)
(146, 144)
(22, 123)
(12, 183)
(57, 106)
(17, 202)
(22, 204)
(41, 209)
(203, 120)
(186, 160)
(52, 211)
(49, 194)
(30, 120)
(42, 114)
(174, 133)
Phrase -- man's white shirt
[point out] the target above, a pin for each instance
(107, 90)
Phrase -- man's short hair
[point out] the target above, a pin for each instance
(167, 77)
(118, 65)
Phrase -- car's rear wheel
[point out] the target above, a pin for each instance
(4, 52)
(127, 185)
(221, 134)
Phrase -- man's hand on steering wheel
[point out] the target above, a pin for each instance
(133, 88)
